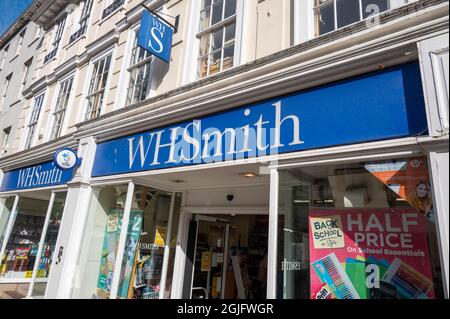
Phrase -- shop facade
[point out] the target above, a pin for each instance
(250, 203)
(292, 178)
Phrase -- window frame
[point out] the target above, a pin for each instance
(5, 55)
(81, 26)
(134, 64)
(7, 82)
(84, 110)
(56, 38)
(316, 5)
(21, 39)
(235, 19)
(26, 72)
(66, 100)
(28, 141)
(6, 136)
(107, 10)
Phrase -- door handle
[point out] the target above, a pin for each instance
(60, 254)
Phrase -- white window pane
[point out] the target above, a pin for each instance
(217, 39)
(214, 63)
(326, 18)
(348, 12)
(228, 56)
(217, 12)
(230, 32)
(203, 67)
(205, 17)
(230, 8)
(206, 3)
(204, 44)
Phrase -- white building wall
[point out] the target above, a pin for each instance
(12, 103)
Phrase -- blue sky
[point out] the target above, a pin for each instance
(10, 11)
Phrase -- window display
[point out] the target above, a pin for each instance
(100, 243)
(49, 244)
(144, 246)
(143, 259)
(30, 232)
(22, 246)
(358, 231)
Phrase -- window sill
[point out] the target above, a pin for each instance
(20, 280)
(69, 45)
(14, 58)
(33, 42)
(15, 102)
(49, 61)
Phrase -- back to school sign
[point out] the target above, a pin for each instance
(369, 254)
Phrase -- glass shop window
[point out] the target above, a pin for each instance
(141, 270)
(335, 14)
(29, 245)
(358, 231)
(100, 243)
(7, 205)
(49, 244)
(147, 239)
(22, 245)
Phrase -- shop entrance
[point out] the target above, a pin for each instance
(227, 257)
(211, 247)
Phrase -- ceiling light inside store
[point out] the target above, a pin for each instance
(249, 175)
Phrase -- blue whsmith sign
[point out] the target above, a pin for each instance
(155, 36)
(382, 105)
(36, 176)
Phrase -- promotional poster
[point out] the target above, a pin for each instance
(133, 234)
(110, 244)
(369, 254)
(409, 179)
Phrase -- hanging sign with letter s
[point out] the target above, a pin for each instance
(155, 36)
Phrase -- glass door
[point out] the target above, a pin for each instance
(211, 247)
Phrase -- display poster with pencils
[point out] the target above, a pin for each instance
(369, 254)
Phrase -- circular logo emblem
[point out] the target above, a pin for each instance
(65, 159)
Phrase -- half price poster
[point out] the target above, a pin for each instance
(369, 254)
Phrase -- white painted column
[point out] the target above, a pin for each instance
(165, 265)
(122, 241)
(273, 236)
(439, 171)
(303, 20)
(64, 269)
